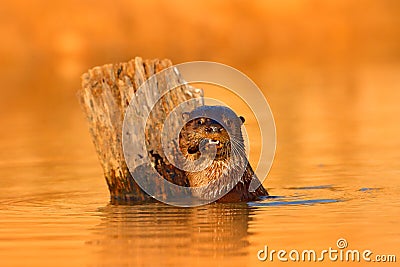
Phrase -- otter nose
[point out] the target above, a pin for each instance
(212, 129)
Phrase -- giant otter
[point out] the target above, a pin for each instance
(218, 128)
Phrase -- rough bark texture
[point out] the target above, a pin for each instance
(105, 95)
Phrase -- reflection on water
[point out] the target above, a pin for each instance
(217, 231)
(329, 69)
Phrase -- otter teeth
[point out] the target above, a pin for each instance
(211, 142)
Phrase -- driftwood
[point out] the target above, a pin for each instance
(105, 96)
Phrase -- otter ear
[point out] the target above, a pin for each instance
(185, 116)
(242, 119)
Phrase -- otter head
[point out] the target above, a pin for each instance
(209, 126)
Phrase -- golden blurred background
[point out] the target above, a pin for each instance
(46, 45)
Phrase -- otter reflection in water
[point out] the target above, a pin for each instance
(154, 233)
(218, 129)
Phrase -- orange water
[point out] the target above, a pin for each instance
(334, 89)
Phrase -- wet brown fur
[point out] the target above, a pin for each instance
(213, 123)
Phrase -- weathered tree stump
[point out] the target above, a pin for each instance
(105, 96)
